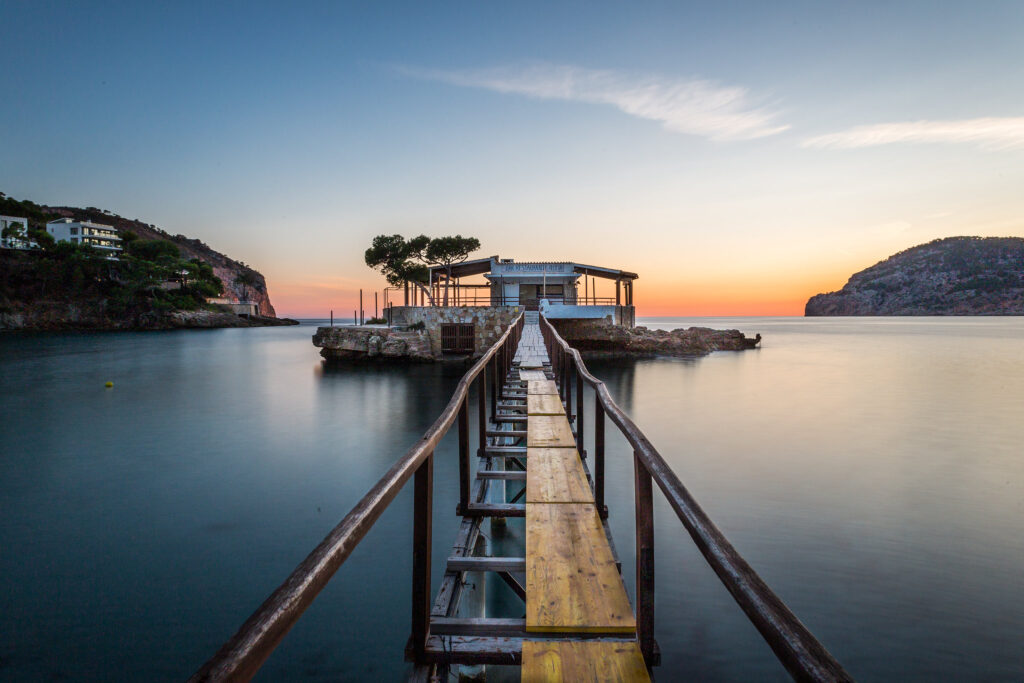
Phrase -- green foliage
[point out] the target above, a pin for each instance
(154, 251)
(401, 260)
(42, 238)
(377, 321)
(418, 326)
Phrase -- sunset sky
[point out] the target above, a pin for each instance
(739, 156)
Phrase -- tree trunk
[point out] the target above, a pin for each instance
(426, 291)
(447, 279)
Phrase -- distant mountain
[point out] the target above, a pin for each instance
(224, 267)
(951, 276)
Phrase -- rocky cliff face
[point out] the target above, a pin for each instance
(227, 269)
(952, 276)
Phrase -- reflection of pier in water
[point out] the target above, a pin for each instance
(530, 418)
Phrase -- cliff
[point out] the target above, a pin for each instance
(951, 276)
(224, 267)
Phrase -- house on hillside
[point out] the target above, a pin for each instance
(12, 242)
(102, 237)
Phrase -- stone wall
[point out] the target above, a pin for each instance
(489, 322)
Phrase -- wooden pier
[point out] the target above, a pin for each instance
(579, 624)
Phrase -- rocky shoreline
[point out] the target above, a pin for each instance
(68, 317)
(349, 343)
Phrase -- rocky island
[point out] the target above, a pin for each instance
(951, 276)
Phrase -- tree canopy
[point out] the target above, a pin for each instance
(401, 260)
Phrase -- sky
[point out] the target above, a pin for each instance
(740, 157)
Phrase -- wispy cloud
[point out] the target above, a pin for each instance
(691, 106)
(989, 133)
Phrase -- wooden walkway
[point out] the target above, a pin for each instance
(573, 585)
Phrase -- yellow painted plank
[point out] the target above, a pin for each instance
(544, 404)
(532, 375)
(572, 585)
(582, 660)
(548, 431)
(544, 386)
(555, 475)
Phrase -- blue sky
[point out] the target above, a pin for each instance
(739, 156)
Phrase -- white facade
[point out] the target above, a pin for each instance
(99, 236)
(522, 283)
(6, 221)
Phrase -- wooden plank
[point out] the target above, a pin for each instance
(544, 404)
(549, 431)
(476, 626)
(555, 475)
(572, 584)
(532, 375)
(486, 564)
(582, 660)
(543, 386)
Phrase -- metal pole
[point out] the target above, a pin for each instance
(375, 305)
(361, 319)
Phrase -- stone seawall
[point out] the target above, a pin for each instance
(489, 322)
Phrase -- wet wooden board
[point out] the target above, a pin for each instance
(572, 585)
(532, 362)
(549, 431)
(582, 660)
(555, 475)
(544, 404)
(544, 386)
(532, 375)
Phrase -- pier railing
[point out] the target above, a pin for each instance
(242, 656)
(797, 649)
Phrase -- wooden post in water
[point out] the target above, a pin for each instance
(332, 317)
(422, 523)
(644, 559)
(464, 455)
(599, 454)
(579, 410)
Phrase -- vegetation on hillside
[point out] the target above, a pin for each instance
(150, 275)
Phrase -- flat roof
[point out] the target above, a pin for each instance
(483, 266)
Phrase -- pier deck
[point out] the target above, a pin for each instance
(577, 623)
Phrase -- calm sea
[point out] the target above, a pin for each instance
(872, 471)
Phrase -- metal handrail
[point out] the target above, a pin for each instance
(794, 645)
(242, 656)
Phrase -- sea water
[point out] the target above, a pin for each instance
(869, 469)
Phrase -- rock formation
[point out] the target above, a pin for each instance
(952, 276)
(357, 343)
(594, 338)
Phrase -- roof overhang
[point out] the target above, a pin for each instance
(609, 273)
(465, 269)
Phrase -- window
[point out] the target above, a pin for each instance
(74, 231)
(457, 338)
(75, 240)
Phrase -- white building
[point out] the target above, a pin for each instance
(102, 237)
(5, 222)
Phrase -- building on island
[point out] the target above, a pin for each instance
(467, 318)
(13, 242)
(99, 236)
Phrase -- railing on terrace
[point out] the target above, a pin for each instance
(797, 649)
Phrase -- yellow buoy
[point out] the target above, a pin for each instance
(109, 385)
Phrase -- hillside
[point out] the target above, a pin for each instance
(951, 276)
(224, 267)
